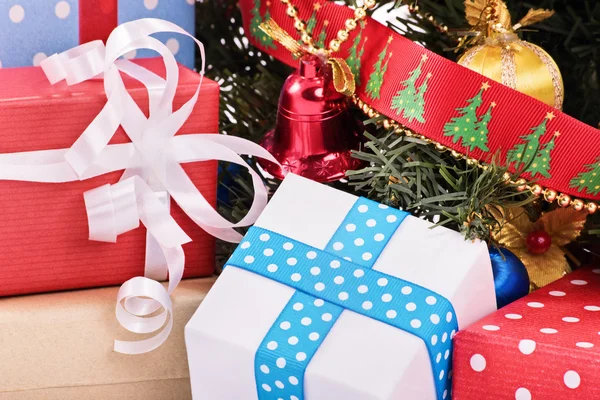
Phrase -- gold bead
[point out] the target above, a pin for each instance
(485, 167)
(409, 133)
(370, 3)
(550, 195)
(591, 207)
(445, 29)
(350, 24)
(306, 39)
(456, 154)
(291, 11)
(564, 200)
(360, 13)
(577, 205)
(342, 35)
(537, 190)
(366, 108)
(506, 177)
(371, 113)
(387, 124)
(299, 25)
(521, 184)
(471, 161)
(334, 45)
(440, 147)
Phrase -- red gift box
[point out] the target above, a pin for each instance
(44, 242)
(545, 346)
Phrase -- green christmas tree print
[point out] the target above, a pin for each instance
(532, 152)
(320, 43)
(588, 181)
(379, 69)
(467, 127)
(356, 54)
(255, 30)
(410, 101)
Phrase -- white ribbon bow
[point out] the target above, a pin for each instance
(152, 167)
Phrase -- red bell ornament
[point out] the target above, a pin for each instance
(315, 132)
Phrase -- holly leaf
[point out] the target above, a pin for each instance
(563, 224)
(474, 11)
(533, 17)
(515, 227)
(545, 268)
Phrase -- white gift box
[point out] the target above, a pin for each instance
(361, 358)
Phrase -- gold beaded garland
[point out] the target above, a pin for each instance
(360, 13)
(591, 207)
(578, 204)
(564, 200)
(537, 190)
(550, 195)
(350, 24)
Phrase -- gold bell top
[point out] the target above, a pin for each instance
(500, 55)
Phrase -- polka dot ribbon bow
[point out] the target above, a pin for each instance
(151, 161)
(339, 278)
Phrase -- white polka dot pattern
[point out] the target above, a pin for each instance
(287, 348)
(53, 26)
(364, 231)
(340, 284)
(551, 336)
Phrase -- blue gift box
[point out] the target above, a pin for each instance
(34, 29)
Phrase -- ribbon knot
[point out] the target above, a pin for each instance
(153, 174)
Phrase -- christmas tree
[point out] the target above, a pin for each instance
(379, 69)
(531, 152)
(410, 100)
(402, 171)
(588, 181)
(255, 30)
(353, 59)
(467, 127)
(312, 21)
(322, 36)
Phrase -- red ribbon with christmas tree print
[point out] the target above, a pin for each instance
(444, 101)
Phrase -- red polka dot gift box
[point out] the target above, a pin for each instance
(545, 346)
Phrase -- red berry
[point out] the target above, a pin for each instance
(538, 242)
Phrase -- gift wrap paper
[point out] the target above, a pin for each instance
(58, 346)
(35, 29)
(544, 346)
(360, 358)
(44, 231)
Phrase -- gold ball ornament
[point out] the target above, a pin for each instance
(519, 65)
(499, 54)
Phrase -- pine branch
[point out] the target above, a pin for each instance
(407, 173)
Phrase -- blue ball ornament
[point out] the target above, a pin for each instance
(510, 276)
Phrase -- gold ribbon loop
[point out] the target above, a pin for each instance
(343, 78)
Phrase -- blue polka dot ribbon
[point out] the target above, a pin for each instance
(336, 279)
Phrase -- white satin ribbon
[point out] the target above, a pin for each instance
(151, 161)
